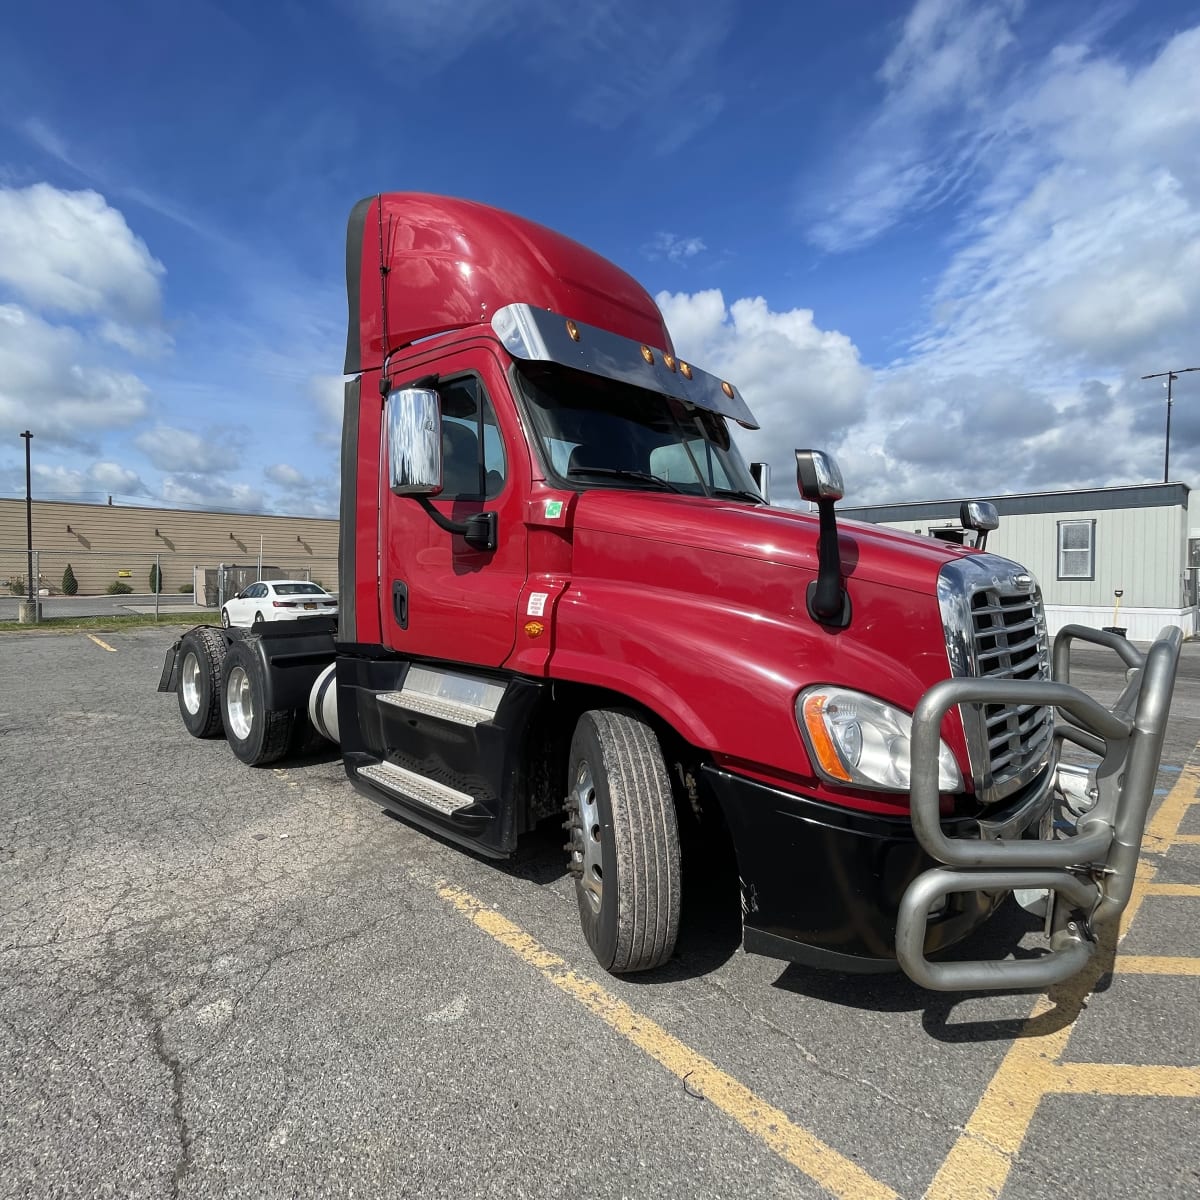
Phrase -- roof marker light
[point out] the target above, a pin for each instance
(572, 330)
(727, 388)
(669, 360)
(685, 370)
(648, 354)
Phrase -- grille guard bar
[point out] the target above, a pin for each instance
(1090, 873)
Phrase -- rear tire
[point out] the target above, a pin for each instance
(624, 841)
(201, 656)
(258, 621)
(256, 735)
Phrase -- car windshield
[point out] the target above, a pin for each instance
(594, 432)
(298, 589)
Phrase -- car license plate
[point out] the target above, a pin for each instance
(310, 606)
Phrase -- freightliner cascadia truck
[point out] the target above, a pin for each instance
(564, 594)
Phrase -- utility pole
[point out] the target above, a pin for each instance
(1170, 377)
(29, 523)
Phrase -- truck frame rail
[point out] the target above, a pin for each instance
(1088, 875)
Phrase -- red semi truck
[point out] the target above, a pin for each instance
(563, 591)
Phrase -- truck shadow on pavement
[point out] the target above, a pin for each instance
(1000, 938)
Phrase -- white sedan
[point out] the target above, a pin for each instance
(278, 600)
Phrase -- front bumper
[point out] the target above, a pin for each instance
(822, 885)
(1088, 875)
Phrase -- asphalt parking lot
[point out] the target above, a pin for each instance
(218, 981)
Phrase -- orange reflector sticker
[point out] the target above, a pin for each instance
(534, 628)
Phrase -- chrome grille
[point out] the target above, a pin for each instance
(996, 629)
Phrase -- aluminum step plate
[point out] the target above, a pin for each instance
(437, 706)
(418, 788)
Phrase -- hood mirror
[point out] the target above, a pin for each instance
(981, 516)
(820, 480)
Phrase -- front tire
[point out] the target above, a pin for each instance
(256, 734)
(201, 656)
(624, 841)
(225, 622)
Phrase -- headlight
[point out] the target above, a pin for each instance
(859, 740)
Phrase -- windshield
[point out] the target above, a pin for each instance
(595, 432)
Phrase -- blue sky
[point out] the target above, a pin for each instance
(942, 239)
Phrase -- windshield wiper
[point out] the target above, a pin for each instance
(739, 494)
(624, 473)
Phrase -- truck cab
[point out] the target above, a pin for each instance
(564, 594)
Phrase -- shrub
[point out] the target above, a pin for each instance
(16, 585)
(70, 584)
(185, 589)
(156, 583)
(117, 588)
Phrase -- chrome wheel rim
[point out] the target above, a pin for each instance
(239, 705)
(225, 618)
(189, 682)
(587, 850)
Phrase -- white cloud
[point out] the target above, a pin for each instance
(46, 385)
(286, 476)
(71, 252)
(1071, 266)
(934, 122)
(675, 249)
(803, 384)
(171, 449)
(208, 491)
(67, 483)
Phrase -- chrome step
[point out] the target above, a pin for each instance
(418, 788)
(437, 706)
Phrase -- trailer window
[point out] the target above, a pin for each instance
(1077, 549)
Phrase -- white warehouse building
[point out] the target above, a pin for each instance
(1084, 547)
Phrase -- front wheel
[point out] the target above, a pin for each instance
(624, 841)
(256, 734)
(225, 618)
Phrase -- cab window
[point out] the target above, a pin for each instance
(473, 461)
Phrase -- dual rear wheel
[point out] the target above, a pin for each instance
(222, 686)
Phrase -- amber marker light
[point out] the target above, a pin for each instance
(534, 628)
(727, 388)
(648, 354)
(685, 370)
(669, 360)
(822, 743)
(572, 331)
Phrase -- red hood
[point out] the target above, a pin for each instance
(775, 535)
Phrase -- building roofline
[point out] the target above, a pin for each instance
(1137, 495)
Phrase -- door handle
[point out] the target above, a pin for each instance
(400, 602)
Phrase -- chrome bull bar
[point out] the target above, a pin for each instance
(1089, 875)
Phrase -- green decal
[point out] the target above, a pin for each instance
(553, 509)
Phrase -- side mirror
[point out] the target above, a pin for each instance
(820, 480)
(760, 472)
(979, 515)
(413, 419)
(818, 476)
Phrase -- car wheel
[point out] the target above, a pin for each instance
(258, 620)
(255, 734)
(225, 618)
(201, 656)
(624, 841)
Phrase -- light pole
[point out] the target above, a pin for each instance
(1170, 377)
(28, 521)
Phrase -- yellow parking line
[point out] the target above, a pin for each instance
(1187, 839)
(1111, 1079)
(1153, 964)
(1173, 889)
(102, 645)
(979, 1163)
(821, 1163)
